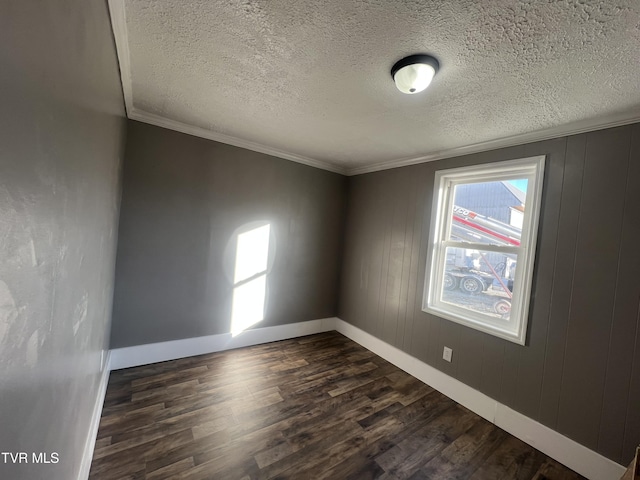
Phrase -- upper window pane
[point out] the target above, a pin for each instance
(488, 212)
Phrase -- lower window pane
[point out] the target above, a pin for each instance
(480, 281)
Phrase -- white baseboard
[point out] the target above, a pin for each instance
(160, 352)
(90, 443)
(586, 462)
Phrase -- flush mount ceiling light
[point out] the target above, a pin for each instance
(414, 73)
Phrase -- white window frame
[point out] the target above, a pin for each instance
(531, 168)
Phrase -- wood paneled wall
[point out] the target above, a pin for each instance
(579, 372)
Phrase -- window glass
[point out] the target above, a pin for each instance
(480, 281)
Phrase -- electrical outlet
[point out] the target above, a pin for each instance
(447, 353)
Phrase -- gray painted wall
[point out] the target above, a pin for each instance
(61, 139)
(183, 199)
(579, 372)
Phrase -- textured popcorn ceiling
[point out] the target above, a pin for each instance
(310, 79)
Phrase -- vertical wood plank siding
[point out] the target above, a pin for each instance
(579, 372)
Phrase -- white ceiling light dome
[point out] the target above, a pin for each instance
(414, 73)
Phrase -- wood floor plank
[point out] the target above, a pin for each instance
(466, 453)
(173, 470)
(316, 407)
(424, 443)
(513, 459)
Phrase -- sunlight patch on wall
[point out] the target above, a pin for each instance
(250, 278)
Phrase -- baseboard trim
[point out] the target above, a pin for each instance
(160, 352)
(90, 443)
(586, 462)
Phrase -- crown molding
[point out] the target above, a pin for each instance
(512, 141)
(119, 25)
(118, 15)
(575, 128)
(159, 121)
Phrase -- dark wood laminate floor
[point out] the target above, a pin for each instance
(309, 408)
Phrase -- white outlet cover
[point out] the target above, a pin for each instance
(447, 354)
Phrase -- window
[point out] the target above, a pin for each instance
(483, 238)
